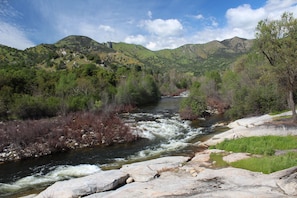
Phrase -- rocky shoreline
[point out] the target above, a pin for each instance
(179, 176)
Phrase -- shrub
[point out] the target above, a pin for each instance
(30, 107)
(194, 105)
(137, 90)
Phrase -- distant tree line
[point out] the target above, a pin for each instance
(32, 93)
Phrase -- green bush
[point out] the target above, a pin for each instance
(137, 90)
(78, 103)
(194, 105)
(30, 107)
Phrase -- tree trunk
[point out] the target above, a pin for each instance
(292, 106)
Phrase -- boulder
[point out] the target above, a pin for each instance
(148, 170)
(99, 182)
(168, 184)
(287, 180)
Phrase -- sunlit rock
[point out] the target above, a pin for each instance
(147, 170)
(100, 182)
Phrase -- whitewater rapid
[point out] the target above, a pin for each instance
(171, 132)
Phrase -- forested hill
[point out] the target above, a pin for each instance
(74, 51)
(196, 58)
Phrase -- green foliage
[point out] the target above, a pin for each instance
(277, 40)
(268, 164)
(78, 103)
(137, 90)
(26, 106)
(215, 76)
(249, 89)
(194, 105)
(66, 84)
(197, 58)
(265, 145)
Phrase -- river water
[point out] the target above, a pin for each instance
(163, 133)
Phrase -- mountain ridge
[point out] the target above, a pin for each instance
(78, 50)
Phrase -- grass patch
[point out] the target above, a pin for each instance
(218, 158)
(268, 164)
(278, 112)
(263, 145)
(285, 117)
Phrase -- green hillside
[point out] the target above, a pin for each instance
(74, 51)
(196, 58)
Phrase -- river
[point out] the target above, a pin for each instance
(163, 133)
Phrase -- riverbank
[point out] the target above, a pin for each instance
(36, 138)
(189, 177)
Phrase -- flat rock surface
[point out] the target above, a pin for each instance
(148, 170)
(99, 182)
(233, 157)
(226, 182)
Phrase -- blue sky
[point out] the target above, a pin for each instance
(155, 24)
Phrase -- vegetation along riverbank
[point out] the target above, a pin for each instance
(35, 138)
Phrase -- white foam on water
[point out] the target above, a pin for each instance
(173, 133)
(57, 174)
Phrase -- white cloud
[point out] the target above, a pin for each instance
(244, 17)
(157, 43)
(10, 34)
(150, 14)
(138, 39)
(242, 20)
(106, 28)
(199, 16)
(163, 28)
(214, 22)
(13, 36)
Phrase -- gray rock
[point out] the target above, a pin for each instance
(287, 180)
(168, 184)
(99, 182)
(148, 170)
(226, 182)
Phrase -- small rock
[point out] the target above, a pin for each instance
(194, 174)
(129, 180)
(192, 171)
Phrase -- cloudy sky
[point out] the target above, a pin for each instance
(155, 24)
